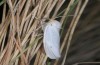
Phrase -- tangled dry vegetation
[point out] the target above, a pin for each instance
(21, 34)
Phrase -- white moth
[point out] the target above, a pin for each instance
(51, 39)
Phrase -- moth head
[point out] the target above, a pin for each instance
(55, 23)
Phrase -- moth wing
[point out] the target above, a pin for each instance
(48, 52)
(52, 42)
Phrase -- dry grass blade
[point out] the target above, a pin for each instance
(59, 4)
(18, 46)
(67, 10)
(73, 28)
(4, 13)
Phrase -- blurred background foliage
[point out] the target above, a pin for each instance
(85, 45)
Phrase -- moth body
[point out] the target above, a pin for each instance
(51, 39)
